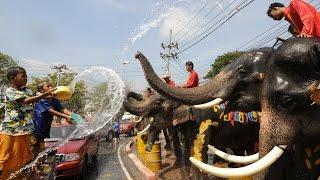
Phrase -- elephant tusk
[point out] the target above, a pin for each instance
(248, 170)
(217, 101)
(144, 130)
(233, 158)
(139, 120)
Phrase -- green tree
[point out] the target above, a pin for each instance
(221, 61)
(6, 61)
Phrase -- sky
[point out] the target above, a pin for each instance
(83, 33)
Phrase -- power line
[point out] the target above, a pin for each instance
(256, 37)
(238, 9)
(267, 37)
(188, 37)
(183, 28)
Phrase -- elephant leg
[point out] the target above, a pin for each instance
(188, 132)
(202, 140)
(176, 144)
(166, 137)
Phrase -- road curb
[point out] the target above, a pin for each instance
(146, 172)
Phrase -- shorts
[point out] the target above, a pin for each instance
(15, 152)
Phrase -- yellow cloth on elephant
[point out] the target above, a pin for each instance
(15, 152)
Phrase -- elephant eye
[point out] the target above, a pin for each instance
(242, 72)
(286, 101)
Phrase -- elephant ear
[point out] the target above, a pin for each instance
(182, 114)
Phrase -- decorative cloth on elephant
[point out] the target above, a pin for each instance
(236, 116)
(304, 17)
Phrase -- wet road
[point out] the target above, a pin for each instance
(108, 165)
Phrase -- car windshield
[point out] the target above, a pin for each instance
(61, 132)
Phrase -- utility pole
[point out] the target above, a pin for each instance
(59, 68)
(169, 55)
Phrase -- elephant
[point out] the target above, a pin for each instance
(161, 110)
(223, 130)
(274, 81)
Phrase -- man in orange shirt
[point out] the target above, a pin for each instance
(301, 15)
(193, 79)
(168, 81)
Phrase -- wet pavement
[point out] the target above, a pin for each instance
(108, 165)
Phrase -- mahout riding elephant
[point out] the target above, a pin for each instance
(277, 82)
(236, 130)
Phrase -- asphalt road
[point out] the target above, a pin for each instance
(108, 165)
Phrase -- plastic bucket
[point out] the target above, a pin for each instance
(140, 148)
(152, 159)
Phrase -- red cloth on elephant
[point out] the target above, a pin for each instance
(193, 80)
(304, 17)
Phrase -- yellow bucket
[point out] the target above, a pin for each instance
(63, 93)
(140, 148)
(152, 159)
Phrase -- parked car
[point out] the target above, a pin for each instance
(107, 132)
(73, 157)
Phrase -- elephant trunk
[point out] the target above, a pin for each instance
(152, 136)
(218, 87)
(275, 129)
(134, 104)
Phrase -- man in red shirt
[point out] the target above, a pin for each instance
(193, 79)
(302, 16)
(168, 81)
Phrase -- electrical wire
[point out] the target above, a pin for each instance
(238, 9)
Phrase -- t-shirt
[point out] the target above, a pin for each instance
(43, 118)
(193, 80)
(304, 17)
(18, 116)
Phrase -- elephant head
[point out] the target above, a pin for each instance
(239, 83)
(158, 109)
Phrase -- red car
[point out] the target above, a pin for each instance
(74, 156)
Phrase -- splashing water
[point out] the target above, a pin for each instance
(168, 14)
(105, 92)
(104, 97)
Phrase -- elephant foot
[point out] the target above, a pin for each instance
(196, 174)
(185, 172)
(177, 164)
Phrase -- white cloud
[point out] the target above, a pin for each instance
(177, 19)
